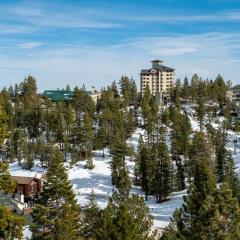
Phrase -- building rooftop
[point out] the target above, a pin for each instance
(157, 61)
(160, 68)
(62, 95)
(237, 87)
(58, 95)
(23, 180)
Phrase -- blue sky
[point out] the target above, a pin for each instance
(95, 42)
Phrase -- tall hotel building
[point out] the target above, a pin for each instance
(159, 79)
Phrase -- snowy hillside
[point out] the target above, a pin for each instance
(99, 179)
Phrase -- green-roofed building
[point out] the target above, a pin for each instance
(236, 88)
(64, 95)
(58, 95)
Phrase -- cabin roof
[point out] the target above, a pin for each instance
(23, 180)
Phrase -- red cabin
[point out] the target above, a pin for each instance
(30, 187)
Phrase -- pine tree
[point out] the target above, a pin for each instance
(186, 90)
(201, 112)
(207, 212)
(104, 130)
(127, 218)
(28, 87)
(125, 86)
(231, 177)
(220, 153)
(119, 171)
(142, 168)
(89, 164)
(7, 185)
(220, 89)
(114, 89)
(57, 216)
(101, 139)
(197, 218)
(11, 226)
(3, 125)
(200, 150)
(228, 215)
(180, 175)
(29, 158)
(163, 174)
(70, 120)
(175, 229)
(91, 218)
(228, 114)
(180, 145)
(194, 82)
(175, 94)
(88, 134)
(123, 182)
(149, 114)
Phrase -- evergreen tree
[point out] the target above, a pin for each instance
(3, 125)
(231, 177)
(201, 98)
(89, 164)
(194, 82)
(142, 169)
(175, 229)
(91, 218)
(120, 176)
(200, 150)
(125, 86)
(196, 220)
(220, 153)
(186, 90)
(228, 115)
(180, 145)
(28, 156)
(228, 215)
(11, 226)
(7, 185)
(175, 94)
(57, 216)
(127, 218)
(163, 174)
(88, 134)
(220, 89)
(28, 87)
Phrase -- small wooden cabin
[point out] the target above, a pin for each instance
(30, 187)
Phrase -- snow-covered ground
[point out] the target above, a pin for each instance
(99, 179)
(27, 233)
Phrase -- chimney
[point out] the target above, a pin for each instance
(21, 198)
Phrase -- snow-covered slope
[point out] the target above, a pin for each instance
(99, 179)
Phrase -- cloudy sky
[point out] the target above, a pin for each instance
(96, 41)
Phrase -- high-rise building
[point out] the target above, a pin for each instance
(233, 96)
(159, 79)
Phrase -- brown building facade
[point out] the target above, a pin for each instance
(30, 187)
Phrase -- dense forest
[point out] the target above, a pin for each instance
(170, 157)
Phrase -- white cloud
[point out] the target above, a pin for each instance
(233, 15)
(205, 54)
(173, 51)
(58, 16)
(14, 29)
(29, 45)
